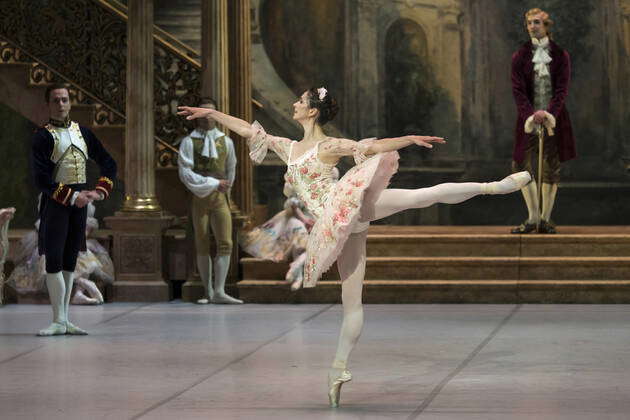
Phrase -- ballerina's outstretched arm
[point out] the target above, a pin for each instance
(396, 143)
(336, 148)
(239, 126)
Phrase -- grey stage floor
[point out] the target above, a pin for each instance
(181, 361)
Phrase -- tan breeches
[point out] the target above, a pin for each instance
(212, 212)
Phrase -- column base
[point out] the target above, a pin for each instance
(137, 256)
(141, 204)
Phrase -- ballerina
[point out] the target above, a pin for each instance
(343, 210)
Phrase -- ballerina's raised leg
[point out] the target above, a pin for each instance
(392, 201)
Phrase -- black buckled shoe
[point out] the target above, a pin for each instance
(546, 227)
(525, 227)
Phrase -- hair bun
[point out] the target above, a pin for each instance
(330, 108)
(327, 106)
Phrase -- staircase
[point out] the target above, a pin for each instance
(476, 264)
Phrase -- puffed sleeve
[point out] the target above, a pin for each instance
(201, 186)
(260, 142)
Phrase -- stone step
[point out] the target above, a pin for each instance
(497, 245)
(465, 268)
(493, 230)
(446, 291)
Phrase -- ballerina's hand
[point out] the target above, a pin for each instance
(425, 141)
(192, 113)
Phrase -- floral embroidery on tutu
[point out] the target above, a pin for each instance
(348, 209)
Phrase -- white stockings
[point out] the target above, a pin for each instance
(351, 264)
(392, 201)
(59, 286)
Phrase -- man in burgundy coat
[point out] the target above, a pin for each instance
(541, 72)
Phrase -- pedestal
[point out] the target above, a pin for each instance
(137, 256)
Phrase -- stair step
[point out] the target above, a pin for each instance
(469, 268)
(445, 291)
(601, 245)
(497, 245)
(495, 230)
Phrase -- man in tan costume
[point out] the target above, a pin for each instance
(207, 166)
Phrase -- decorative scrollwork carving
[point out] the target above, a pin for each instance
(177, 81)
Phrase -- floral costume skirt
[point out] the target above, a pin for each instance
(347, 209)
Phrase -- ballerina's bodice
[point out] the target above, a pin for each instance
(311, 179)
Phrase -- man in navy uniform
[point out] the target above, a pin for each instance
(60, 152)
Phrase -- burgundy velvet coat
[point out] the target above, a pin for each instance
(523, 91)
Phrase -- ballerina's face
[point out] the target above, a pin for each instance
(302, 110)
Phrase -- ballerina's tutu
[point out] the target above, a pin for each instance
(348, 209)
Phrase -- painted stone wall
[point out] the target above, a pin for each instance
(443, 67)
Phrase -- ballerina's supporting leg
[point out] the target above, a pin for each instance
(392, 201)
(351, 264)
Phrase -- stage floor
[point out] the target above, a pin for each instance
(182, 361)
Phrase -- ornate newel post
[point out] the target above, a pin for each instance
(138, 228)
